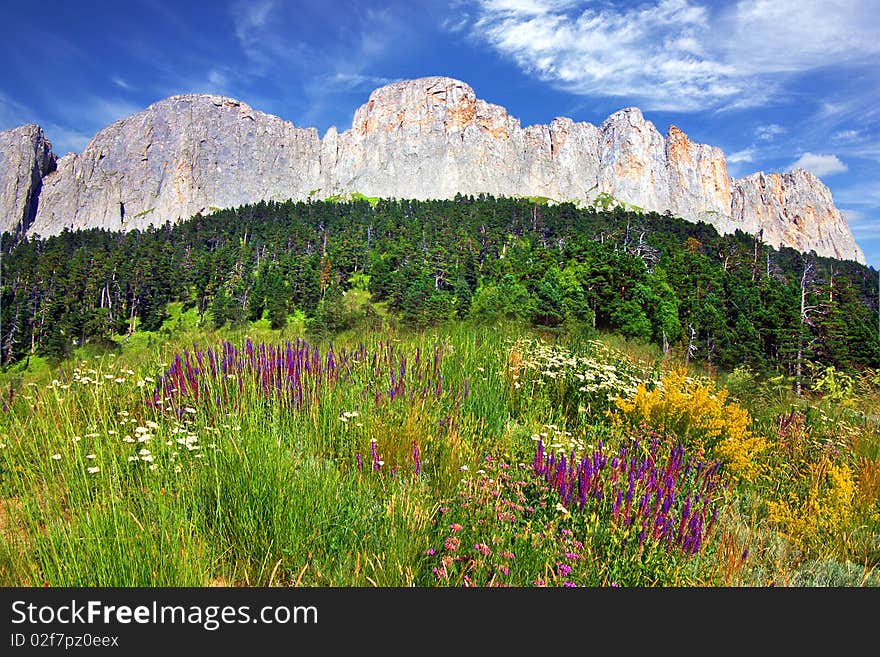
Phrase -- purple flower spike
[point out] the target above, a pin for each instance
(374, 454)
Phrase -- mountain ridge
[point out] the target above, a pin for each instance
(424, 138)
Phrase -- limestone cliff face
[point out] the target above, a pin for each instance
(699, 185)
(180, 156)
(793, 209)
(425, 138)
(633, 161)
(25, 157)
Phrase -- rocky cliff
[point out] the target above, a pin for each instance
(181, 156)
(25, 158)
(425, 138)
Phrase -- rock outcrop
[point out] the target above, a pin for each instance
(181, 156)
(425, 138)
(25, 157)
(794, 209)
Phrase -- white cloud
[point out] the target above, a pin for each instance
(121, 83)
(13, 113)
(820, 165)
(852, 216)
(769, 132)
(846, 135)
(745, 155)
(678, 54)
(217, 79)
(65, 140)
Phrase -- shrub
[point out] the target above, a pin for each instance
(695, 411)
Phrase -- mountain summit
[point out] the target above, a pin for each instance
(421, 139)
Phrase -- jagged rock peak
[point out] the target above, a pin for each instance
(25, 157)
(630, 115)
(430, 104)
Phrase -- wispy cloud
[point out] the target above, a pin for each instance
(13, 113)
(744, 155)
(769, 132)
(677, 54)
(66, 140)
(820, 165)
(121, 83)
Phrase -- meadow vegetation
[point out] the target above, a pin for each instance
(464, 454)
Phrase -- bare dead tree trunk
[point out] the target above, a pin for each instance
(692, 346)
(799, 365)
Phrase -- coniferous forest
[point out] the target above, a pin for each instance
(467, 392)
(725, 300)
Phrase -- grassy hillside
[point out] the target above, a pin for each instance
(456, 455)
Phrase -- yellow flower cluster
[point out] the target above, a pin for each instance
(696, 412)
(824, 513)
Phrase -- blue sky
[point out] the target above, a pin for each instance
(774, 83)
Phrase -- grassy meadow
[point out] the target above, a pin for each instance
(462, 455)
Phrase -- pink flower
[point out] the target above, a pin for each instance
(455, 527)
(452, 543)
(483, 549)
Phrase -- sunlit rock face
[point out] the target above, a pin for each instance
(25, 158)
(422, 139)
(179, 157)
(793, 209)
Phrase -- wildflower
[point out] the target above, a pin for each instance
(451, 544)
(57, 457)
(90, 456)
(455, 527)
(153, 466)
(93, 470)
(189, 409)
(176, 468)
(483, 549)
(463, 468)
(152, 425)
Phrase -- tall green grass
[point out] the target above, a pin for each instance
(101, 486)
